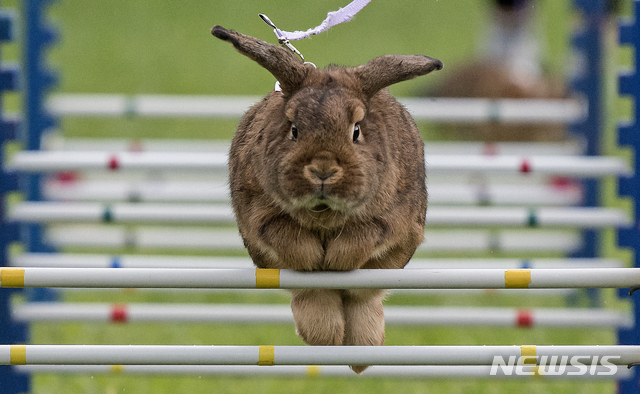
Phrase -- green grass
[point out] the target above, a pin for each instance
(148, 47)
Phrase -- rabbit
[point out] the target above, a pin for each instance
(328, 174)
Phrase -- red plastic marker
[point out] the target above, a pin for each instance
(119, 314)
(113, 164)
(524, 319)
(67, 176)
(525, 167)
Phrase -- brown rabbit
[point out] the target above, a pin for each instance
(328, 175)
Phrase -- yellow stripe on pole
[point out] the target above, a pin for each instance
(528, 355)
(116, 369)
(18, 355)
(517, 279)
(313, 370)
(267, 278)
(266, 355)
(11, 277)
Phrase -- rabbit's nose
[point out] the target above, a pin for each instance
(322, 175)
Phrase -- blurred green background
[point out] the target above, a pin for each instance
(165, 47)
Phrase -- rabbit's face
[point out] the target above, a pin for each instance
(328, 170)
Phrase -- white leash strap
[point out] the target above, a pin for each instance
(333, 18)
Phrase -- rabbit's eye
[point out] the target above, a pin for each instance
(293, 133)
(356, 133)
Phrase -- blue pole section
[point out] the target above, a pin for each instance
(11, 382)
(587, 83)
(629, 135)
(38, 36)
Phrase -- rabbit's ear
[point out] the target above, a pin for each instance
(386, 70)
(280, 62)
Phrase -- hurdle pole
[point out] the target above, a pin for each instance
(289, 279)
(281, 314)
(211, 191)
(311, 355)
(54, 161)
(315, 371)
(79, 260)
(584, 217)
(57, 142)
(210, 239)
(449, 110)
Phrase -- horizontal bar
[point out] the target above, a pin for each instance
(78, 260)
(118, 105)
(584, 217)
(48, 161)
(572, 166)
(311, 355)
(56, 142)
(209, 191)
(120, 212)
(205, 239)
(289, 279)
(260, 314)
(221, 177)
(147, 191)
(430, 109)
(314, 371)
(470, 110)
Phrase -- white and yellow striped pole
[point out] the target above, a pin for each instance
(289, 279)
(313, 371)
(313, 355)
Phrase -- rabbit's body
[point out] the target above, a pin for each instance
(328, 175)
(369, 214)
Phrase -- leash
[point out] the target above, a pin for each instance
(333, 18)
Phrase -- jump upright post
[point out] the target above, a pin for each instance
(587, 81)
(11, 331)
(38, 37)
(629, 136)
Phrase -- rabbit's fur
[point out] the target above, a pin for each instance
(328, 175)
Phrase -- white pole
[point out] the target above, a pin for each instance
(470, 110)
(309, 355)
(148, 238)
(58, 142)
(432, 109)
(79, 260)
(314, 371)
(288, 279)
(186, 191)
(48, 161)
(117, 105)
(574, 166)
(120, 212)
(259, 314)
(585, 217)
(189, 239)
(208, 191)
